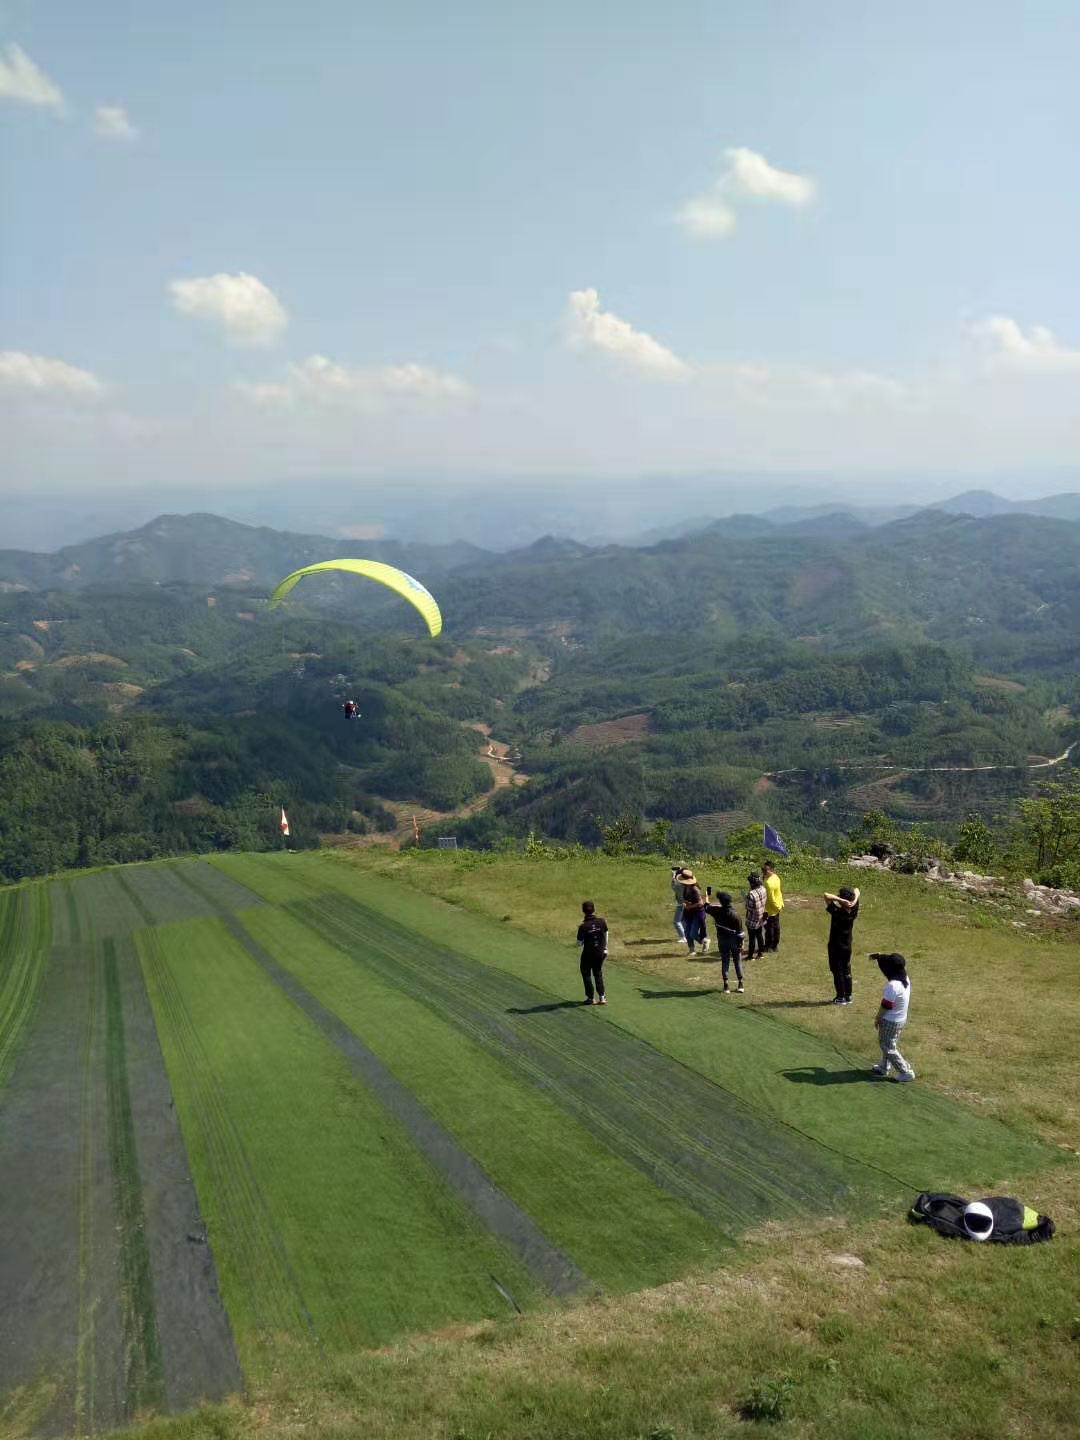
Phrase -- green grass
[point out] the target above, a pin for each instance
(24, 946)
(782, 1071)
(325, 1220)
(144, 1378)
(622, 1230)
(317, 1206)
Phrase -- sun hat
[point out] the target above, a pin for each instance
(688, 877)
(978, 1220)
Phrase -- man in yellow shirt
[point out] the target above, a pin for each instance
(774, 903)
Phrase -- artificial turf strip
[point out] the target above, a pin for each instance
(547, 1265)
(550, 1267)
(730, 1164)
(144, 1383)
(324, 1218)
(60, 1257)
(803, 1081)
(24, 946)
(622, 1230)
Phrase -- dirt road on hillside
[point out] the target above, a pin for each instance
(504, 772)
(923, 769)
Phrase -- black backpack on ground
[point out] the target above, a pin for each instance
(945, 1214)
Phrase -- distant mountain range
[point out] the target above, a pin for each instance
(999, 583)
(844, 518)
(208, 550)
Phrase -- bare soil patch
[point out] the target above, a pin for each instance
(92, 657)
(998, 682)
(623, 731)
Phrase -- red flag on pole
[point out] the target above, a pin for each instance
(284, 827)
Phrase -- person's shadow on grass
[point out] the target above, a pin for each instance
(675, 994)
(817, 1075)
(542, 1009)
(789, 1004)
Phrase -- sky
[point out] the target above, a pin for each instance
(260, 243)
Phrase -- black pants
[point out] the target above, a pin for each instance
(729, 946)
(772, 932)
(755, 941)
(840, 965)
(592, 970)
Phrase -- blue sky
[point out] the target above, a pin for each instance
(415, 192)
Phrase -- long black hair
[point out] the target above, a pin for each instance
(893, 967)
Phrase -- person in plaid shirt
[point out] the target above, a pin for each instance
(755, 917)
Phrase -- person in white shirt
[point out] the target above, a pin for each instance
(892, 1015)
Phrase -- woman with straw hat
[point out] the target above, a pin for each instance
(693, 912)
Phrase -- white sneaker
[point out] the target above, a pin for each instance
(739, 990)
(704, 947)
(603, 999)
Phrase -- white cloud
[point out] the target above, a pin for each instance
(111, 123)
(320, 381)
(748, 176)
(19, 371)
(249, 313)
(1038, 350)
(589, 327)
(751, 175)
(20, 79)
(707, 217)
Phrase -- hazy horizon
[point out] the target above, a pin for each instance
(535, 248)
(492, 512)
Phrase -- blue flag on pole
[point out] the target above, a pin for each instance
(773, 842)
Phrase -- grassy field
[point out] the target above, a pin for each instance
(441, 1199)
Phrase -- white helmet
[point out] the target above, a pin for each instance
(978, 1220)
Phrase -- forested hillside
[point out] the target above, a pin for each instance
(804, 673)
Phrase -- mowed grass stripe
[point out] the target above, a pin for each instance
(143, 1381)
(24, 946)
(510, 1225)
(87, 1297)
(805, 1081)
(371, 1241)
(257, 1283)
(621, 1229)
(733, 1166)
(551, 1268)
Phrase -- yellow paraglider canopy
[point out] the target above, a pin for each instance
(387, 575)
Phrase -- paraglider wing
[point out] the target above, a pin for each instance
(387, 575)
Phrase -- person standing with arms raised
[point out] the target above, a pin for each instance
(774, 904)
(843, 909)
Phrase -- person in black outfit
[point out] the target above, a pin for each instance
(729, 935)
(592, 936)
(843, 909)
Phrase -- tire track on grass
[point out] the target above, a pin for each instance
(500, 1215)
(692, 1138)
